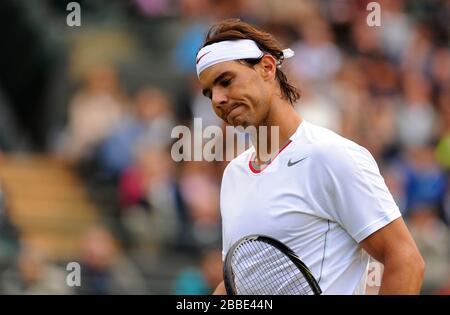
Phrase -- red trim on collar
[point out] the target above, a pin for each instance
(254, 170)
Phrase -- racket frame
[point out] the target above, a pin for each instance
(228, 271)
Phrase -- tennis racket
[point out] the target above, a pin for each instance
(262, 265)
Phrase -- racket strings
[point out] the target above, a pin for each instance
(260, 268)
(253, 271)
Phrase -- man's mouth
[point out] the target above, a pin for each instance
(231, 109)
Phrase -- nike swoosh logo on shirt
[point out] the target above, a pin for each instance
(198, 59)
(290, 163)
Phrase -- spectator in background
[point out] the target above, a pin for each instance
(383, 77)
(416, 115)
(349, 91)
(148, 201)
(365, 41)
(380, 132)
(105, 269)
(395, 30)
(199, 191)
(317, 59)
(201, 279)
(93, 113)
(425, 181)
(149, 125)
(418, 52)
(433, 240)
(440, 69)
(33, 274)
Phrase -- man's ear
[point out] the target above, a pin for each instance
(268, 67)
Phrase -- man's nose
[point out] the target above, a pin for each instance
(219, 98)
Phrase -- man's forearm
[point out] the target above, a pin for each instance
(403, 277)
(220, 289)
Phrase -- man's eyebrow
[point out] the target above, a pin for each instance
(219, 77)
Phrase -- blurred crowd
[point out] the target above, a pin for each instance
(385, 87)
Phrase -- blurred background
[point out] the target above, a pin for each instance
(86, 115)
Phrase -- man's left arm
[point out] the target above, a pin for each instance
(404, 267)
(360, 201)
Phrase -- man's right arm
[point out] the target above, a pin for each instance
(220, 289)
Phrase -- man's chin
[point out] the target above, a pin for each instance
(239, 123)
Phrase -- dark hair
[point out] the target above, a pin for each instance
(234, 29)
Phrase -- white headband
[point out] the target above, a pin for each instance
(231, 50)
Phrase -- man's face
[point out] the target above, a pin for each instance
(240, 95)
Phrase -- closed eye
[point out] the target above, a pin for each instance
(225, 82)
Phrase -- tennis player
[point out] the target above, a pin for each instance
(319, 193)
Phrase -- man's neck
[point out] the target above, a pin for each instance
(267, 144)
